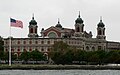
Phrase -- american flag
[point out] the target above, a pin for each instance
(16, 23)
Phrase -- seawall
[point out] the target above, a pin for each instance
(58, 67)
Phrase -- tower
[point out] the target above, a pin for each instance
(101, 30)
(33, 28)
(79, 26)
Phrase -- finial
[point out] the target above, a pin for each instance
(33, 16)
(100, 18)
(79, 14)
(58, 20)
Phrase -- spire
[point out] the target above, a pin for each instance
(33, 16)
(79, 20)
(100, 18)
(79, 14)
(58, 21)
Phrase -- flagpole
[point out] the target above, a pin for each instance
(13, 23)
(10, 47)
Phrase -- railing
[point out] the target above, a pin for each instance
(23, 62)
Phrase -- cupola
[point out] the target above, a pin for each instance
(33, 22)
(101, 24)
(58, 25)
(79, 20)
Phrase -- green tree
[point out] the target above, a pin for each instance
(60, 46)
(102, 56)
(1, 48)
(5, 56)
(13, 56)
(25, 56)
(63, 58)
(94, 58)
(81, 55)
(88, 56)
(118, 59)
(61, 53)
(56, 57)
(36, 55)
(113, 56)
(67, 57)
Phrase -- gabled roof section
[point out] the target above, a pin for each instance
(53, 28)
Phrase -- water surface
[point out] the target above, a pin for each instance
(59, 72)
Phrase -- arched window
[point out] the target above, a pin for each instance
(87, 48)
(99, 47)
(42, 49)
(6, 50)
(24, 42)
(16, 54)
(24, 50)
(48, 42)
(93, 48)
(52, 35)
(48, 49)
(18, 42)
(12, 50)
(99, 32)
(46, 55)
(30, 42)
(36, 42)
(6, 42)
(30, 49)
(78, 29)
(18, 50)
(36, 30)
(42, 42)
(31, 30)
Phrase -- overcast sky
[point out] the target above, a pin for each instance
(47, 13)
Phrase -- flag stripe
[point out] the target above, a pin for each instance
(16, 23)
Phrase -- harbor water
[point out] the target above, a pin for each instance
(59, 72)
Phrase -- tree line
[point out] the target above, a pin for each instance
(63, 54)
(35, 55)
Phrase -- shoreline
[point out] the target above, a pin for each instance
(58, 67)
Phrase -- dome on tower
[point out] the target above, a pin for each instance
(101, 24)
(33, 22)
(79, 20)
(58, 25)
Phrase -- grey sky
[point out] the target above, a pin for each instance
(48, 11)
